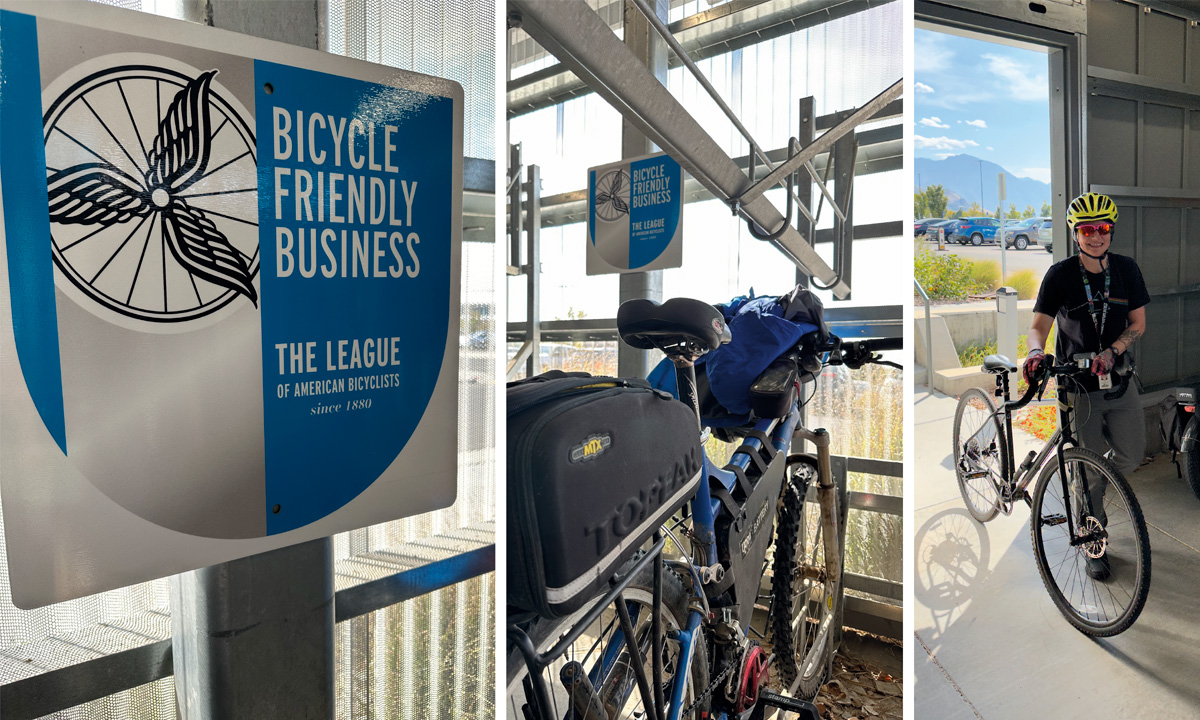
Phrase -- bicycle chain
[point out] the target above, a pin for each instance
(712, 686)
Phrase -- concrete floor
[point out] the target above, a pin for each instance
(990, 643)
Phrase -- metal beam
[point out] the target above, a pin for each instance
(879, 150)
(582, 41)
(713, 32)
(855, 323)
(377, 594)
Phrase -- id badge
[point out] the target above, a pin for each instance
(1105, 381)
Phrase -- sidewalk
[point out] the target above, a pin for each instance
(989, 641)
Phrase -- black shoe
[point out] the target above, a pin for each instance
(1097, 568)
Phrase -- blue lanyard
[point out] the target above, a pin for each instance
(1087, 290)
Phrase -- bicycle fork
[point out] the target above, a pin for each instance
(827, 499)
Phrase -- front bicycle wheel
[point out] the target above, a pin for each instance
(804, 618)
(605, 655)
(980, 455)
(1097, 566)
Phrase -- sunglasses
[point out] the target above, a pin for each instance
(1097, 229)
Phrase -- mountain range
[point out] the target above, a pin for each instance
(960, 175)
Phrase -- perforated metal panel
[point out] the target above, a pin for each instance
(449, 38)
(1143, 149)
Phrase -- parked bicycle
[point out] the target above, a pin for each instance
(688, 599)
(1089, 536)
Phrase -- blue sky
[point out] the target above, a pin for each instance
(982, 99)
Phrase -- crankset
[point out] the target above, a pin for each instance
(803, 709)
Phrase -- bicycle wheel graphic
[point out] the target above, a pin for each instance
(153, 190)
(612, 195)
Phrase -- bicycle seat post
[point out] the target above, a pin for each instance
(684, 359)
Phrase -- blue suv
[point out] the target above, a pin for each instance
(974, 230)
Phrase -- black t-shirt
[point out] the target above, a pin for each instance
(1063, 298)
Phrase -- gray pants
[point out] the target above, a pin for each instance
(1115, 429)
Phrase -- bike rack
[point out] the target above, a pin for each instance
(538, 662)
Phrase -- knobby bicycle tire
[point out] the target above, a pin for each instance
(979, 494)
(802, 653)
(1081, 599)
(1191, 461)
(545, 633)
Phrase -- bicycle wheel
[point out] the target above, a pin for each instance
(615, 681)
(1108, 524)
(803, 610)
(1191, 459)
(980, 457)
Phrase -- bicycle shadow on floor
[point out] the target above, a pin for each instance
(952, 555)
(1004, 607)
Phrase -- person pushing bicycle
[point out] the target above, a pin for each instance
(1098, 299)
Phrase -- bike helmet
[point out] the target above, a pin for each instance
(1091, 207)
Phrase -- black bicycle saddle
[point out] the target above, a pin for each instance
(998, 364)
(645, 324)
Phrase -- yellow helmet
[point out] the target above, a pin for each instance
(1091, 207)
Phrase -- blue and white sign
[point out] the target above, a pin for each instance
(635, 215)
(229, 287)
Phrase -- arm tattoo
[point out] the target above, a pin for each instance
(1127, 339)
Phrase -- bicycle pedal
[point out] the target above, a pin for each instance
(977, 475)
(1054, 519)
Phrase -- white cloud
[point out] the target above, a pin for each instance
(943, 156)
(942, 143)
(1037, 173)
(934, 55)
(990, 147)
(922, 88)
(933, 122)
(1022, 82)
(982, 125)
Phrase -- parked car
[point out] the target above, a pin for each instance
(1022, 233)
(920, 225)
(931, 229)
(1046, 236)
(974, 230)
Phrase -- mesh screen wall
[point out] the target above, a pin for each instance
(432, 656)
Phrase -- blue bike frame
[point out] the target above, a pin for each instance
(704, 509)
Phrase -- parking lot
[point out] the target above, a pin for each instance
(1033, 258)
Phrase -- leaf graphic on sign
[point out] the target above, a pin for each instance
(180, 153)
(202, 249)
(94, 193)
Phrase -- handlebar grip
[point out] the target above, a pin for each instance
(882, 344)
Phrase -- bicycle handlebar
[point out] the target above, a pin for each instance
(1069, 369)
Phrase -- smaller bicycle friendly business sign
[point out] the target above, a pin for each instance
(635, 215)
(229, 296)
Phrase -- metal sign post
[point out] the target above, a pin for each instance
(1003, 242)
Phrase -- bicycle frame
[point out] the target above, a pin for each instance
(1016, 481)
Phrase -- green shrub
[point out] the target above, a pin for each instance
(985, 275)
(1025, 283)
(943, 275)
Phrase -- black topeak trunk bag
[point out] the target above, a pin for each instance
(595, 465)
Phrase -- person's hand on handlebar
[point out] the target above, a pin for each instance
(1033, 363)
(1103, 363)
